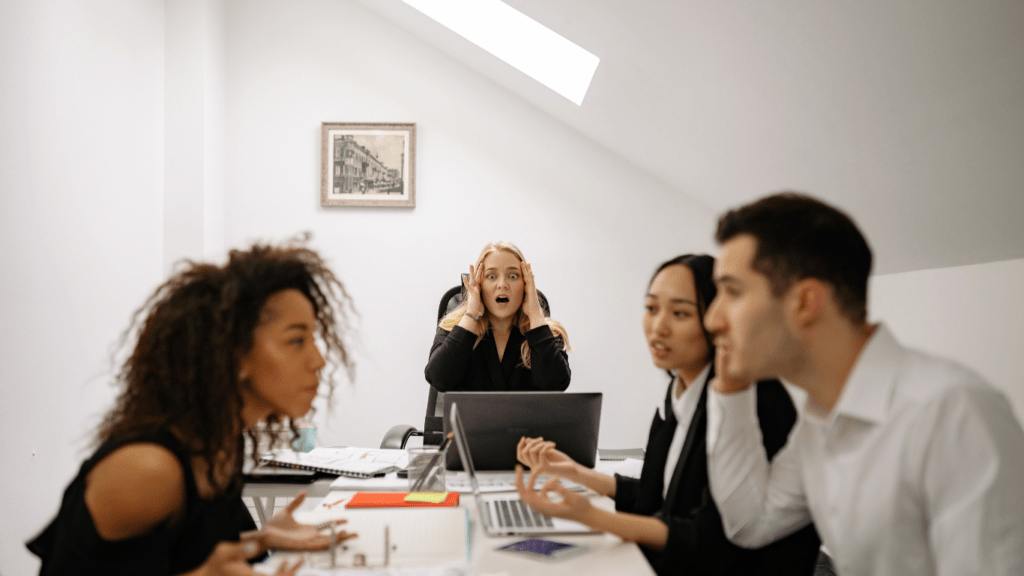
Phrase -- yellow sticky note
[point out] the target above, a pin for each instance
(432, 497)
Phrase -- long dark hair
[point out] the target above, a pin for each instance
(701, 266)
(182, 373)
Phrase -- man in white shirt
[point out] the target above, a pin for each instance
(907, 464)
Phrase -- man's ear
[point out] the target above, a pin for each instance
(807, 302)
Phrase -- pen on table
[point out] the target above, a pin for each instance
(433, 461)
(333, 504)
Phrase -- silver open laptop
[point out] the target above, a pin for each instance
(504, 514)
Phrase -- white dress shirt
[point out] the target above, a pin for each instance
(683, 407)
(918, 470)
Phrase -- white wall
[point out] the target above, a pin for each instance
(81, 86)
(489, 167)
(83, 219)
(972, 314)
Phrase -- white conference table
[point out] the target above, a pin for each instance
(605, 554)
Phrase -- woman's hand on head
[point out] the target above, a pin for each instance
(542, 457)
(474, 301)
(283, 532)
(531, 302)
(566, 504)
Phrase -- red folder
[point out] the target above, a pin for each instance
(396, 500)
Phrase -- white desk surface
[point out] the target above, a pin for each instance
(606, 554)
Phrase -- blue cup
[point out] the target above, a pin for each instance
(306, 440)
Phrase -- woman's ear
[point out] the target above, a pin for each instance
(244, 365)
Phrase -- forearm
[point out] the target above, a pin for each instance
(596, 481)
(549, 363)
(468, 323)
(741, 478)
(646, 530)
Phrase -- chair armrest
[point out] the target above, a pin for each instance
(398, 435)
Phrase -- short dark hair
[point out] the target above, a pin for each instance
(801, 237)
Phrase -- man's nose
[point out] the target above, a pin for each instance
(713, 317)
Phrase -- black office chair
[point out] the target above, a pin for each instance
(433, 422)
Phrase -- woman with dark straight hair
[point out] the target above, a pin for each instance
(669, 510)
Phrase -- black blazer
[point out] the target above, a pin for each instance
(455, 365)
(696, 540)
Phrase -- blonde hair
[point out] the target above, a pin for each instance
(519, 320)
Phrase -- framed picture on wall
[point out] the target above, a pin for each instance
(368, 164)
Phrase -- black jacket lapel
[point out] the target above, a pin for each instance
(694, 445)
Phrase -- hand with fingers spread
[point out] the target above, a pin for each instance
(570, 505)
(542, 457)
(283, 532)
(531, 302)
(472, 283)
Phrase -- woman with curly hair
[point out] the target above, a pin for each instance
(499, 338)
(217, 349)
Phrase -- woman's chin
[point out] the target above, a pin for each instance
(501, 312)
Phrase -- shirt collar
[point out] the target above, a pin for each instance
(692, 392)
(867, 392)
(696, 386)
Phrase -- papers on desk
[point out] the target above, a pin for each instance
(349, 461)
(455, 482)
(630, 467)
(500, 482)
(387, 483)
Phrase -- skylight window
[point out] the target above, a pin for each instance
(522, 42)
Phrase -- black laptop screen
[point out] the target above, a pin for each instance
(495, 421)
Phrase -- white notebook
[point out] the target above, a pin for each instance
(349, 461)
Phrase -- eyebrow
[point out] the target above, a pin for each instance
(726, 279)
(675, 300)
(297, 326)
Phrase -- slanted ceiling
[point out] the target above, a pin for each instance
(907, 114)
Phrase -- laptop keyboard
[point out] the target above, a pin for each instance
(516, 514)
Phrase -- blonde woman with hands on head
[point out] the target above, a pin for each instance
(499, 338)
(669, 510)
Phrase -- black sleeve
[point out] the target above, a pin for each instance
(697, 543)
(626, 490)
(549, 363)
(449, 358)
(696, 539)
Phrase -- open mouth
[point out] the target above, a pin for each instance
(502, 299)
